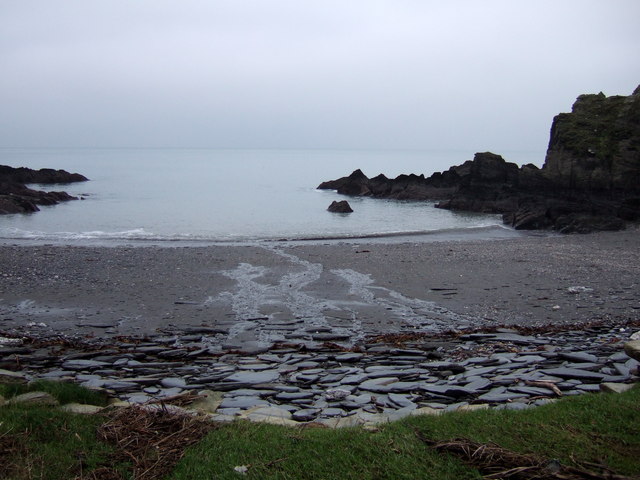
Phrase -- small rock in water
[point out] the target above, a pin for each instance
(340, 207)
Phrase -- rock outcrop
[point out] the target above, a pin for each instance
(596, 147)
(16, 197)
(590, 179)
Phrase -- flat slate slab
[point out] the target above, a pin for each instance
(447, 390)
(491, 397)
(253, 378)
(83, 364)
(379, 385)
(243, 402)
(579, 356)
(575, 373)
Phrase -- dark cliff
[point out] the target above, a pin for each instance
(596, 147)
(590, 179)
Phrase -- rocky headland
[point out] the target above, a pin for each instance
(590, 179)
(16, 197)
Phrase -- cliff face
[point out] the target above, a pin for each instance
(596, 147)
(590, 179)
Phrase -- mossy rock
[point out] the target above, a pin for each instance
(597, 145)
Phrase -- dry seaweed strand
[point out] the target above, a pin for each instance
(402, 338)
(152, 441)
(549, 385)
(497, 463)
(399, 339)
(180, 400)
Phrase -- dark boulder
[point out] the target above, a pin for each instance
(528, 218)
(340, 207)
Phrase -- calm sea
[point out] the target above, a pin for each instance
(200, 195)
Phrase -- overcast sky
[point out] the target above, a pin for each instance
(415, 74)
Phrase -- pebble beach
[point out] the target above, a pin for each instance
(339, 333)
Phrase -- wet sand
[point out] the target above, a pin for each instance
(262, 293)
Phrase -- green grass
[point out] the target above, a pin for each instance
(596, 428)
(602, 429)
(64, 392)
(43, 442)
(284, 453)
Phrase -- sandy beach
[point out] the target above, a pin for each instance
(262, 293)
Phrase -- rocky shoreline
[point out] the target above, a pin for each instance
(16, 197)
(589, 181)
(383, 379)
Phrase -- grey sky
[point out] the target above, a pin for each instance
(478, 75)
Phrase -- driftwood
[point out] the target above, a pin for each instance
(497, 463)
(550, 385)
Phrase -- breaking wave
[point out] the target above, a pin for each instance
(144, 237)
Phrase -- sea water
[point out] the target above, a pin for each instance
(203, 195)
